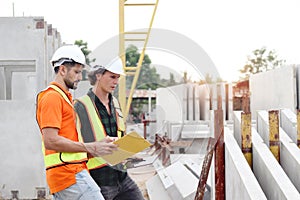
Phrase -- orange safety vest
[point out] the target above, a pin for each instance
(56, 159)
(98, 128)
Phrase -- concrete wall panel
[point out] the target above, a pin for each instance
(27, 38)
(274, 89)
(169, 100)
(290, 158)
(22, 165)
(288, 122)
(240, 181)
(204, 102)
(271, 177)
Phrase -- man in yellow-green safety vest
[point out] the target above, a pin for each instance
(65, 154)
(100, 116)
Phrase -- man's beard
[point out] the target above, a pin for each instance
(71, 85)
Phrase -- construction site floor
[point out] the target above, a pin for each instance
(140, 175)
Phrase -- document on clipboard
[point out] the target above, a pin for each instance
(128, 145)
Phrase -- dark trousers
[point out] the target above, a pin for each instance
(126, 190)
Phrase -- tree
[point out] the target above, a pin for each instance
(261, 61)
(148, 77)
(85, 51)
(83, 46)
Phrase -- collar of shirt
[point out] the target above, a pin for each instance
(67, 92)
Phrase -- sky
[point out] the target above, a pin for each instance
(228, 31)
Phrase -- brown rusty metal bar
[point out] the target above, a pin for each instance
(218, 147)
(246, 137)
(205, 169)
(219, 151)
(298, 128)
(274, 143)
(219, 156)
(146, 122)
(163, 149)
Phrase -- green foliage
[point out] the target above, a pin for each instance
(148, 77)
(84, 48)
(261, 61)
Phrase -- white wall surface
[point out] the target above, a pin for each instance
(22, 164)
(171, 104)
(23, 40)
(240, 182)
(274, 89)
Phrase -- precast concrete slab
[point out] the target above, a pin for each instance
(156, 189)
(179, 180)
(215, 90)
(270, 175)
(204, 100)
(288, 122)
(262, 125)
(276, 95)
(240, 181)
(191, 106)
(290, 158)
(289, 152)
(22, 165)
(197, 105)
(196, 130)
(171, 104)
(39, 45)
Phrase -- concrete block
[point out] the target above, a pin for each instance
(290, 158)
(195, 131)
(190, 102)
(22, 164)
(275, 95)
(271, 177)
(237, 118)
(184, 189)
(288, 122)
(263, 125)
(197, 102)
(240, 181)
(175, 184)
(156, 189)
(204, 99)
(165, 109)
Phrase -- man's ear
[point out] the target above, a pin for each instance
(98, 76)
(62, 69)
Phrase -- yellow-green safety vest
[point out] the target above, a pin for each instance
(62, 158)
(98, 128)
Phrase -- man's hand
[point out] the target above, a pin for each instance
(101, 148)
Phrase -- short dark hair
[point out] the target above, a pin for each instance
(67, 64)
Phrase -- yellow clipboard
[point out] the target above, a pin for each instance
(128, 145)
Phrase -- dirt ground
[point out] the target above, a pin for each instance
(140, 175)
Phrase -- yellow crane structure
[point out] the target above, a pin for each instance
(124, 39)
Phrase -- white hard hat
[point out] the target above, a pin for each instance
(115, 67)
(67, 53)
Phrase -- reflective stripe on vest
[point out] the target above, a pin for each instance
(98, 128)
(62, 158)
